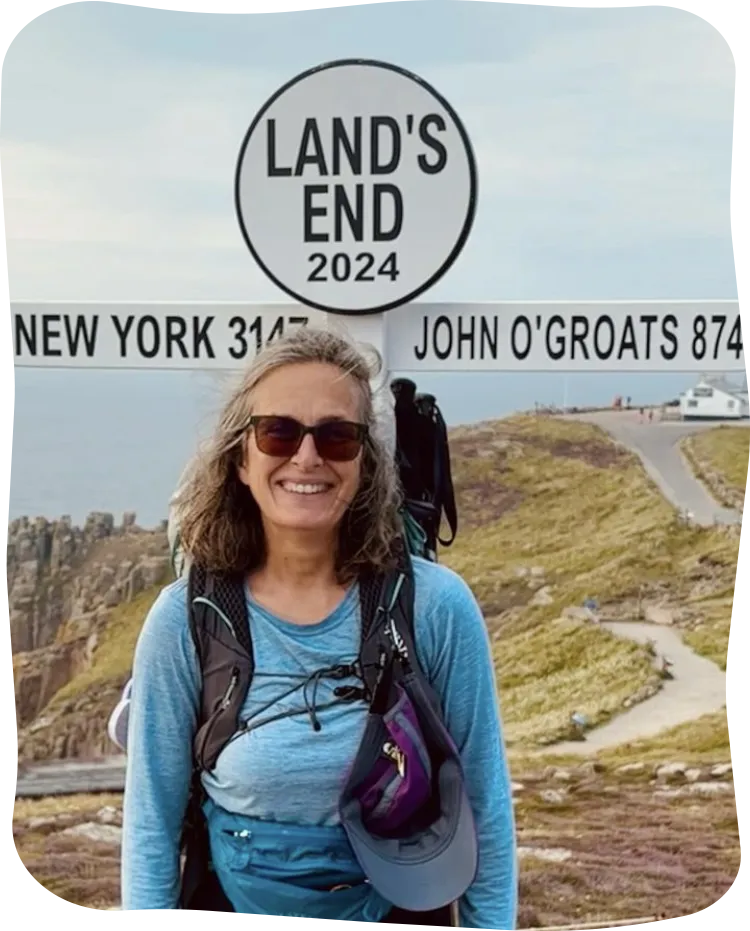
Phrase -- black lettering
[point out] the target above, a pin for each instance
(201, 339)
(376, 168)
(579, 330)
(559, 351)
(604, 322)
(421, 353)
(310, 190)
(488, 339)
(355, 218)
(649, 321)
(316, 157)
(628, 341)
(669, 334)
(378, 233)
(433, 143)
(466, 336)
(522, 323)
(444, 323)
(176, 329)
(148, 352)
(48, 333)
(122, 332)
(28, 335)
(273, 170)
(81, 332)
(238, 325)
(353, 150)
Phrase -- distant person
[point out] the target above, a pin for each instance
(293, 508)
(650, 415)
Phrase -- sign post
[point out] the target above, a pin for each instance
(355, 191)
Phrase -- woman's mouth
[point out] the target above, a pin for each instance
(306, 488)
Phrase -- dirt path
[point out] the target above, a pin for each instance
(698, 688)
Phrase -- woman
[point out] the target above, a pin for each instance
(302, 529)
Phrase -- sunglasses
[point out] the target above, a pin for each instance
(335, 440)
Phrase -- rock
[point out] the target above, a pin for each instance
(556, 797)
(670, 771)
(550, 854)
(693, 775)
(537, 572)
(631, 769)
(517, 787)
(562, 775)
(592, 768)
(710, 788)
(57, 572)
(542, 597)
(100, 833)
(109, 815)
(521, 572)
(36, 824)
(656, 614)
(721, 770)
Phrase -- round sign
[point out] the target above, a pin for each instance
(356, 187)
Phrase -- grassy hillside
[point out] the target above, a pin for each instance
(559, 500)
(720, 459)
(551, 513)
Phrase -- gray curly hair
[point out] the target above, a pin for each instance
(220, 525)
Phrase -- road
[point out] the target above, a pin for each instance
(698, 688)
(657, 445)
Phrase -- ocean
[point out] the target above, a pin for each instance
(117, 441)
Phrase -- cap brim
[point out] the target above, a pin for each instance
(431, 870)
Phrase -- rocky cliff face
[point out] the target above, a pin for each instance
(63, 582)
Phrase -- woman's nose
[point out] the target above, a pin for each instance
(307, 454)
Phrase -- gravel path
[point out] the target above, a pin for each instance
(698, 688)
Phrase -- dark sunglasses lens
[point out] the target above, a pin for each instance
(277, 436)
(339, 442)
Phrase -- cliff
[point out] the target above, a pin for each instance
(63, 584)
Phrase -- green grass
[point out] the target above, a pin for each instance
(560, 496)
(532, 492)
(113, 656)
(720, 459)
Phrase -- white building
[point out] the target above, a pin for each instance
(714, 399)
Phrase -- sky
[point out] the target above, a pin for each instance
(603, 138)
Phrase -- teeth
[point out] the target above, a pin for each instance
(303, 489)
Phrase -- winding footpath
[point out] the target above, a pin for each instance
(657, 445)
(698, 687)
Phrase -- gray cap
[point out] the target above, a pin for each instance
(434, 864)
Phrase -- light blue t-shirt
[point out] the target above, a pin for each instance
(287, 772)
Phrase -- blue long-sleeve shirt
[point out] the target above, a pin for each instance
(285, 772)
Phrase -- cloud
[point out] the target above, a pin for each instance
(601, 133)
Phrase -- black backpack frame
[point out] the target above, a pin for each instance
(220, 629)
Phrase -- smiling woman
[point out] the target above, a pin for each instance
(306, 670)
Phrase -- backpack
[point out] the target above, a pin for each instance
(219, 627)
(424, 466)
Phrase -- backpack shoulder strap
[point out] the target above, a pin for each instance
(219, 626)
(387, 610)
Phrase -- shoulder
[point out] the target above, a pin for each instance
(167, 616)
(444, 606)
(437, 588)
(449, 627)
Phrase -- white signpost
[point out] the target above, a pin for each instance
(355, 191)
(356, 187)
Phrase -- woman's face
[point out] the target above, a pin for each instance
(304, 492)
